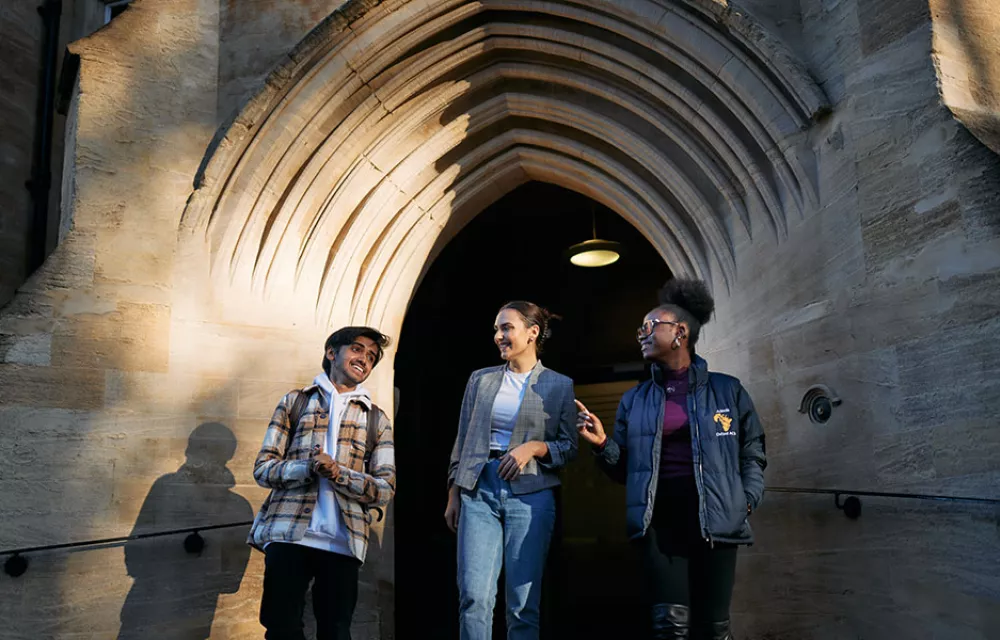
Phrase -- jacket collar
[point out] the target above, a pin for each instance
(535, 371)
(697, 372)
(493, 378)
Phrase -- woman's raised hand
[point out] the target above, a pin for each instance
(589, 425)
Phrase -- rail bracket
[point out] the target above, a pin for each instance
(851, 506)
(15, 566)
(194, 543)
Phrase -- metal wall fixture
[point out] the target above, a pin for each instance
(818, 403)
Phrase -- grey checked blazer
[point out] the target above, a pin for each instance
(547, 413)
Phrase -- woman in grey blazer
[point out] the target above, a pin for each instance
(516, 430)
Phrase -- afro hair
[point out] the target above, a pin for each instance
(691, 295)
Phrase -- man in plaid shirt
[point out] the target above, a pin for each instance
(325, 484)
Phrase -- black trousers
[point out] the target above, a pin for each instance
(288, 570)
(677, 565)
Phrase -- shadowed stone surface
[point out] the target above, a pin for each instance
(885, 21)
(883, 575)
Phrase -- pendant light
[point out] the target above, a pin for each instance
(594, 252)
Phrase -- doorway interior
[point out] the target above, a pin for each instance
(515, 250)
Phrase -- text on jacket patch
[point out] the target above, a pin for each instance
(724, 421)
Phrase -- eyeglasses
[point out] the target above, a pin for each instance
(648, 326)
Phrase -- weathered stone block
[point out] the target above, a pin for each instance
(976, 298)
(124, 335)
(255, 36)
(258, 398)
(880, 314)
(71, 265)
(33, 349)
(216, 349)
(883, 22)
(966, 449)
(135, 258)
(894, 235)
(59, 387)
(903, 457)
(170, 393)
(942, 387)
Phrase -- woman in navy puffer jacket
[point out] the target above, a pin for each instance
(689, 448)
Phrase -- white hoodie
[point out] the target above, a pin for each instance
(326, 529)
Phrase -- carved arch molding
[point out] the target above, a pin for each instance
(394, 123)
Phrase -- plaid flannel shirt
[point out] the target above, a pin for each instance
(285, 467)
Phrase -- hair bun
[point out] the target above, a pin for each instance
(549, 317)
(691, 295)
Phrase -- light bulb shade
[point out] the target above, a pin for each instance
(594, 253)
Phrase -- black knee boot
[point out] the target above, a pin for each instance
(720, 631)
(670, 622)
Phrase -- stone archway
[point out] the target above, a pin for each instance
(394, 123)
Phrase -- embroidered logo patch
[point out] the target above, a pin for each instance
(724, 421)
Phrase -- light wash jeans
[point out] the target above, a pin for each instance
(497, 526)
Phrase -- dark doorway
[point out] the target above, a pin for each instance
(515, 250)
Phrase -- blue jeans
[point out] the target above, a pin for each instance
(497, 526)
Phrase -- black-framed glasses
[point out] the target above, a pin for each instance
(648, 326)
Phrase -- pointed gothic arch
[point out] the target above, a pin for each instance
(395, 122)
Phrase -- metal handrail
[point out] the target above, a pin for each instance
(138, 536)
(17, 564)
(851, 506)
(883, 494)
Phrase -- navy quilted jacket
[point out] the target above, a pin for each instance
(727, 441)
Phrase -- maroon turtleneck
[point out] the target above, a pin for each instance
(676, 459)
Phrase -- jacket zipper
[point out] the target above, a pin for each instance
(654, 479)
(701, 469)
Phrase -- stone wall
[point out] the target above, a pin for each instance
(131, 371)
(101, 430)
(888, 294)
(966, 39)
(20, 49)
(255, 36)
(127, 404)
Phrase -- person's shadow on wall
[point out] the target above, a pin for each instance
(175, 593)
